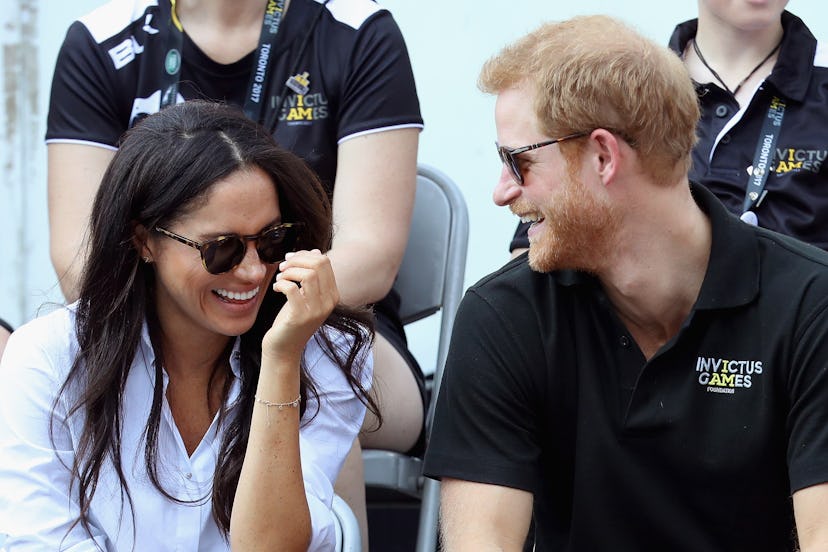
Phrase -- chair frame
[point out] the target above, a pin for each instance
(348, 535)
(392, 470)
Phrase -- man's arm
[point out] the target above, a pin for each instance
(811, 513)
(480, 517)
(75, 172)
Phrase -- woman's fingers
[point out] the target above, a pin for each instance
(306, 279)
(312, 273)
(307, 282)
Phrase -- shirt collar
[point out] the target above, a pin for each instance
(792, 72)
(732, 277)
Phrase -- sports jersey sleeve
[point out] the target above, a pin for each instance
(379, 90)
(808, 396)
(83, 105)
(485, 426)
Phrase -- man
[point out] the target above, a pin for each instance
(654, 377)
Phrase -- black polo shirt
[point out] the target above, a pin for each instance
(698, 449)
(796, 203)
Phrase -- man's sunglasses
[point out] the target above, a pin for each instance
(509, 155)
(225, 253)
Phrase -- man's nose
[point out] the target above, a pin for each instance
(506, 190)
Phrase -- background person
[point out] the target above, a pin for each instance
(334, 84)
(654, 361)
(742, 55)
(752, 63)
(166, 408)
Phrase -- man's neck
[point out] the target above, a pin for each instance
(654, 279)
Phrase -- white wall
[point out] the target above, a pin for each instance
(448, 42)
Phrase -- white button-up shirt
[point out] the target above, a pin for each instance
(37, 508)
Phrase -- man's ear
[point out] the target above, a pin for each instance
(140, 238)
(606, 154)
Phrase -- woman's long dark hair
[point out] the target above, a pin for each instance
(165, 166)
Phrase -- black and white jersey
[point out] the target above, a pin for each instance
(354, 72)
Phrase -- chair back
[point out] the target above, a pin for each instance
(430, 280)
(431, 275)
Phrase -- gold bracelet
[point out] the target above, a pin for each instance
(281, 406)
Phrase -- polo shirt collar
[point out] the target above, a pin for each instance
(732, 277)
(792, 72)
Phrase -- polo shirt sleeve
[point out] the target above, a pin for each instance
(486, 421)
(36, 509)
(808, 396)
(83, 104)
(329, 426)
(379, 90)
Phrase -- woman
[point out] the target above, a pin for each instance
(330, 79)
(140, 406)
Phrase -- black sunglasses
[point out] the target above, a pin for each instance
(225, 253)
(508, 155)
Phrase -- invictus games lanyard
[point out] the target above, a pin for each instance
(254, 101)
(763, 158)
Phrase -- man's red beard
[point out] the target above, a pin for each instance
(577, 233)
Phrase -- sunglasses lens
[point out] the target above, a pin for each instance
(511, 163)
(223, 254)
(274, 243)
(515, 170)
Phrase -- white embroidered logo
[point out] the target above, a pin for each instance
(720, 375)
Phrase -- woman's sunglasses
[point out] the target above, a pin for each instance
(225, 253)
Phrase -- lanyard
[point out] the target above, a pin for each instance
(254, 101)
(763, 157)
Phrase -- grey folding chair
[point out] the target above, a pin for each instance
(348, 537)
(430, 280)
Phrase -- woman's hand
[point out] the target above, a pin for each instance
(307, 281)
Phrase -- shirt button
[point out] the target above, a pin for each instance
(725, 139)
(188, 475)
(721, 110)
(624, 341)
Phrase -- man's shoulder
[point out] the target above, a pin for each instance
(791, 259)
(512, 273)
(516, 283)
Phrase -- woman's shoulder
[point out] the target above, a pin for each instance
(52, 332)
(46, 344)
(51, 325)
